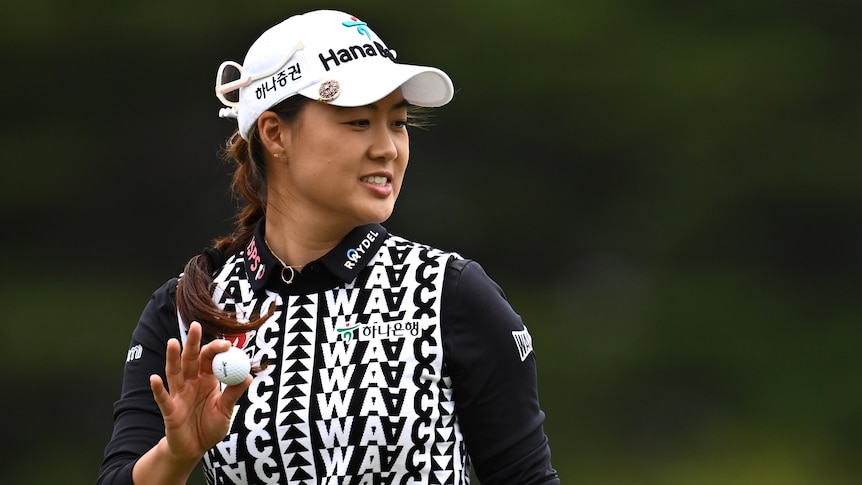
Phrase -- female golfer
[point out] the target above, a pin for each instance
(375, 359)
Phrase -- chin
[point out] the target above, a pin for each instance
(379, 216)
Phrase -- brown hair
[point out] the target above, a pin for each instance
(194, 291)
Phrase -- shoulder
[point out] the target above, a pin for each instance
(166, 294)
(395, 240)
(400, 250)
(464, 278)
(159, 317)
(467, 283)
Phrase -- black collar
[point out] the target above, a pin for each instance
(344, 261)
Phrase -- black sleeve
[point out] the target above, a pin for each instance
(493, 368)
(138, 423)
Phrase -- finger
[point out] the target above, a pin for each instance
(173, 365)
(160, 394)
(191, 351)
(231, 394)
(208, 353)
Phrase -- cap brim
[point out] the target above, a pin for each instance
(360, 86)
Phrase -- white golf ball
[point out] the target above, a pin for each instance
(231, 366)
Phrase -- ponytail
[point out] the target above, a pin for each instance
(194, 291)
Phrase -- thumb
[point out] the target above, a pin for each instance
(231, 395)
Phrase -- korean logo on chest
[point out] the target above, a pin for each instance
(395, 302)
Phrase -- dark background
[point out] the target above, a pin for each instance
(668, 191)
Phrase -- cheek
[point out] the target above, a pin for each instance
(401, 164)
(398, 181)
(403, 147)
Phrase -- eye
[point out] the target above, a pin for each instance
(401, 123)
(359, 123)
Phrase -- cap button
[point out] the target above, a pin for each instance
(329, 90)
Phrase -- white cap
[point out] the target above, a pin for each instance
(325, 55)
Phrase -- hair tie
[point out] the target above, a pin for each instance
(216, 257)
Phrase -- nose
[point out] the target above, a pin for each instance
(383, 146)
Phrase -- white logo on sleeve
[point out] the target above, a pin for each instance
(524, 342)
(135, 353)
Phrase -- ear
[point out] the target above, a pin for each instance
(269, 127)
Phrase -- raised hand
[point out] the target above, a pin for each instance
(195, 409)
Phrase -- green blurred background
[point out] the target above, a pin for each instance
(668, 191)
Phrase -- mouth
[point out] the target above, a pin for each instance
(377, 180)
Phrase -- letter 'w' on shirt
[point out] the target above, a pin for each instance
(524, 342)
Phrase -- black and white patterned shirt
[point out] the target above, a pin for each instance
(388, 362)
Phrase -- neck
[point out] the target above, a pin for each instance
(297, 244)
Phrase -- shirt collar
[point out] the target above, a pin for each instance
(344, 261)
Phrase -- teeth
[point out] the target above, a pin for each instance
(374, 179)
